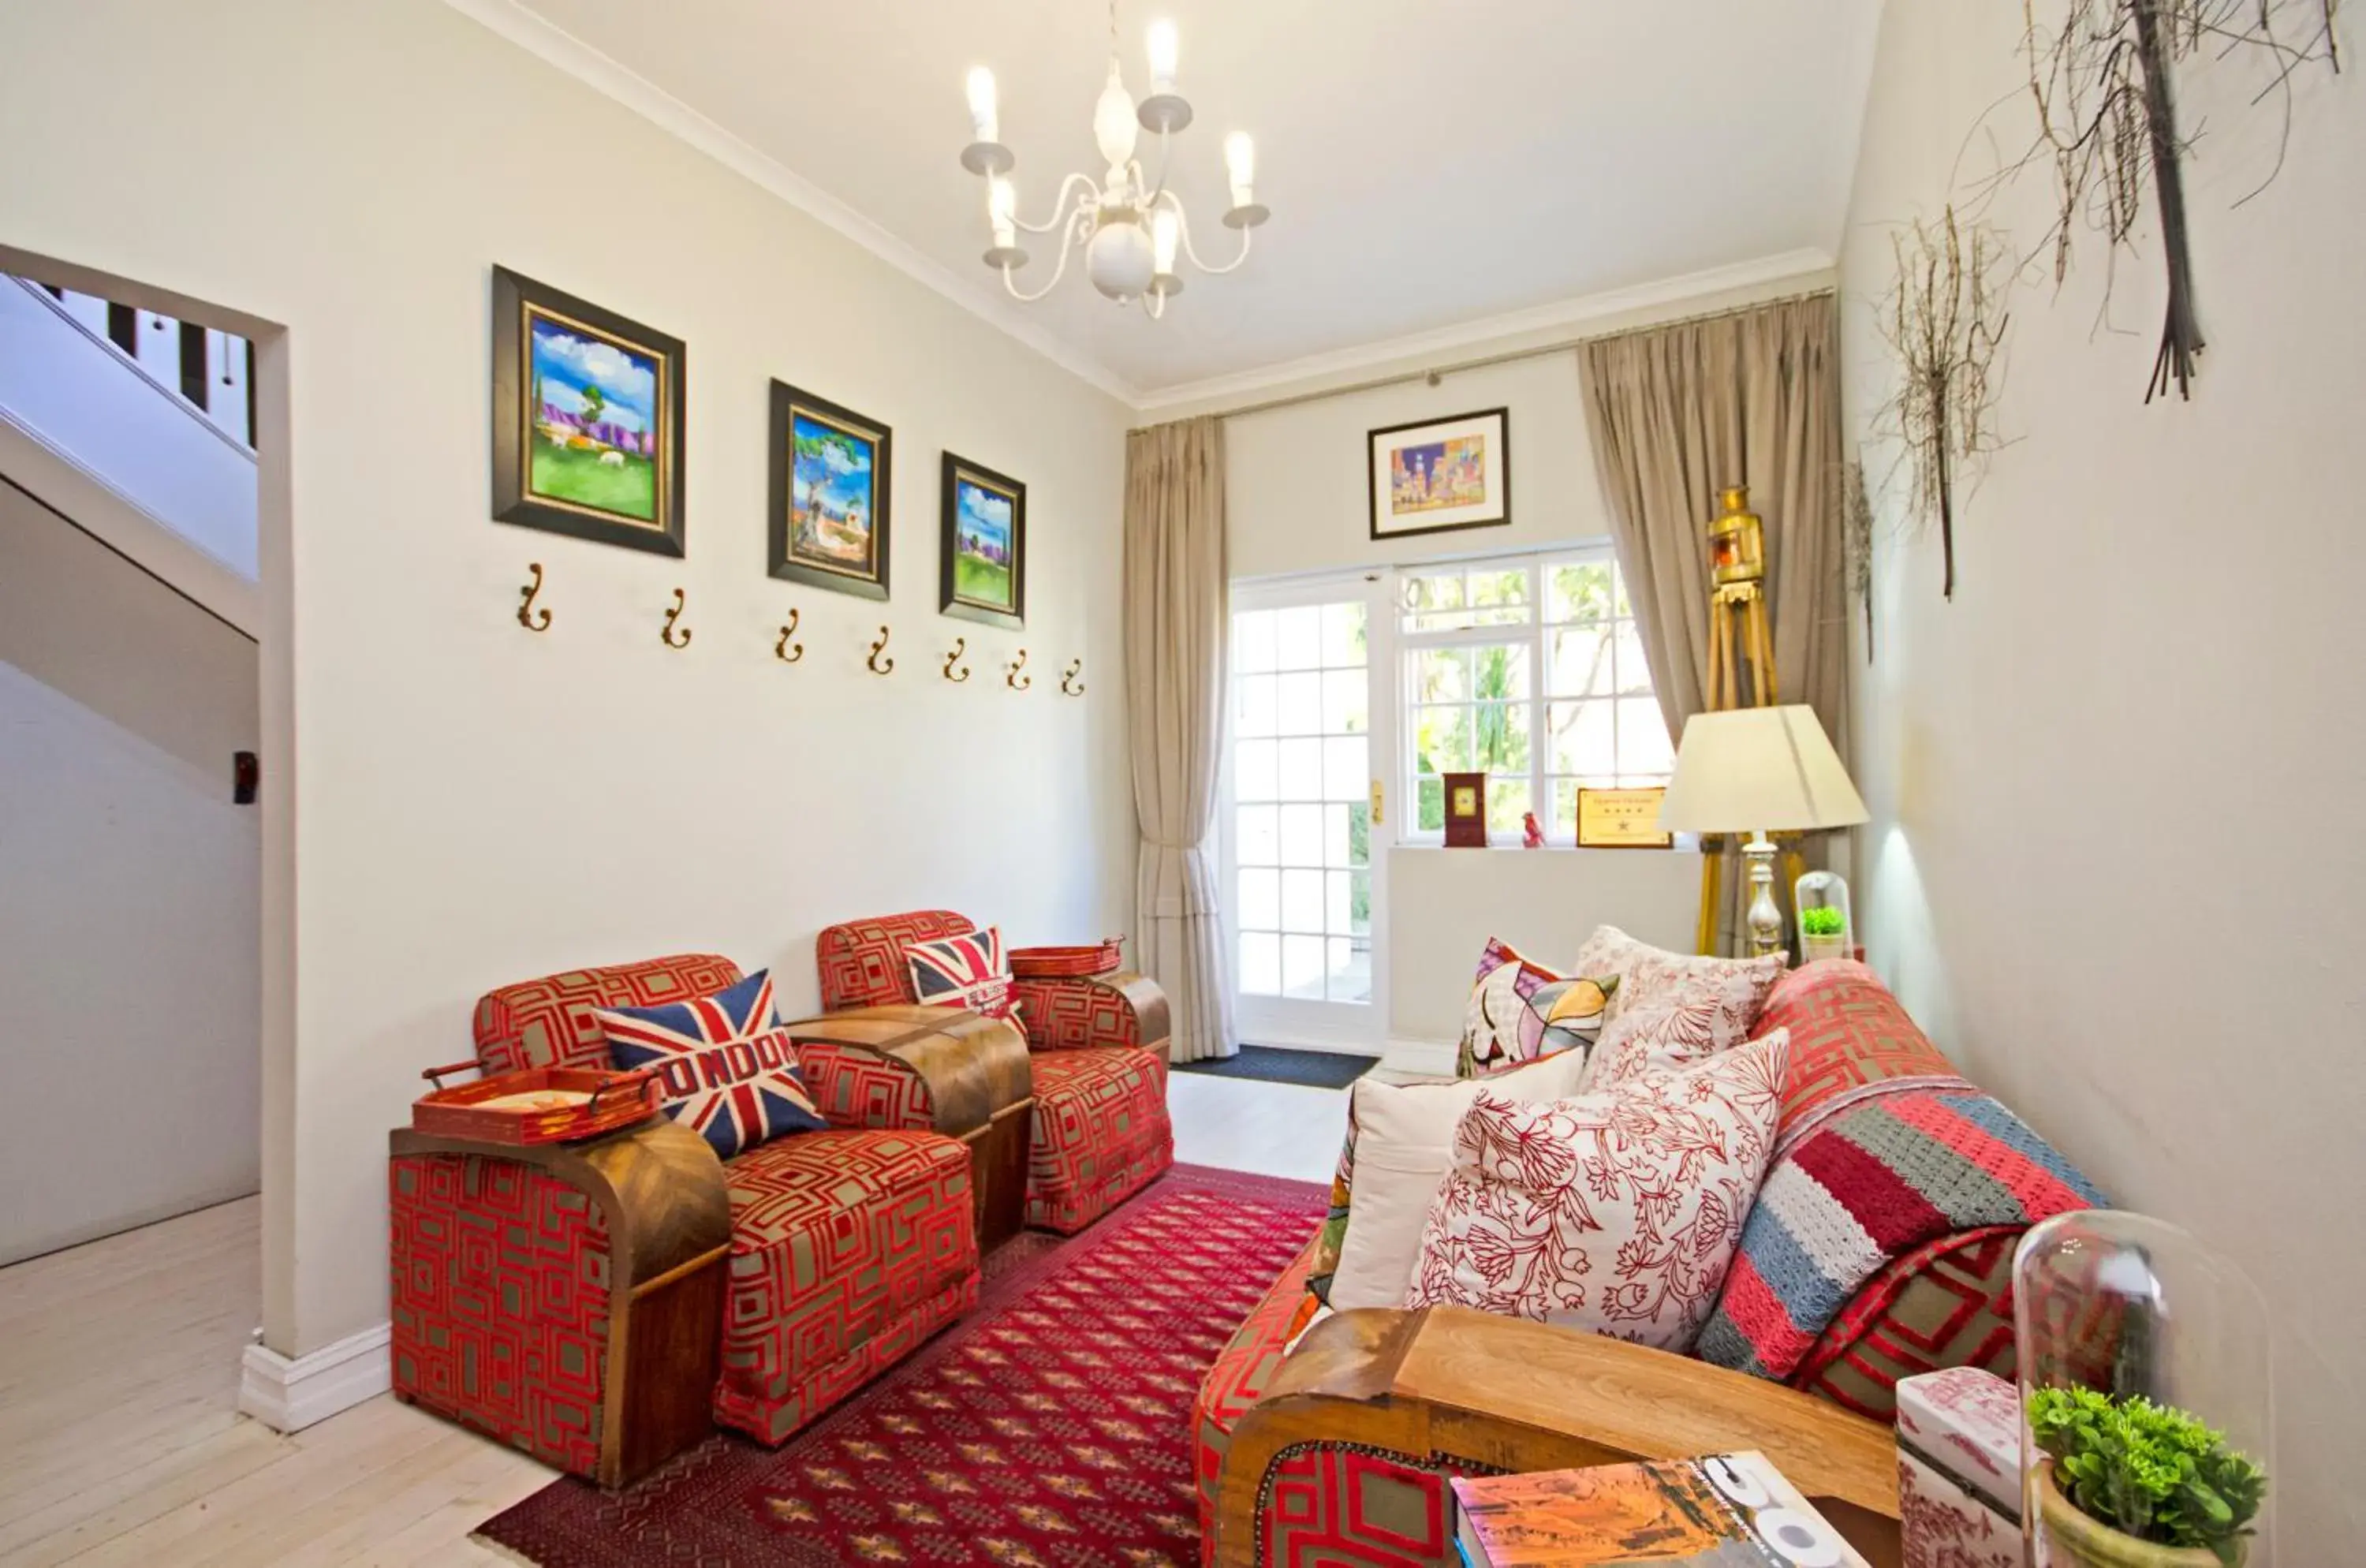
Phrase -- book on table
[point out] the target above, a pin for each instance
(1723, 1511)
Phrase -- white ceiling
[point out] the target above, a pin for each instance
(1429, 163)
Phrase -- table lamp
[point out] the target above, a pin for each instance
(1757, 771)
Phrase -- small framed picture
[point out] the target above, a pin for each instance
(587, 419)
(982, 556)
(1466, 811)
(1442, 474)
(831, 494)
(1621, 819)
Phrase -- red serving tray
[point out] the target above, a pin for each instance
(1068, 962)
(614, 1100)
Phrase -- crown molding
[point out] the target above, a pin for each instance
(511, 20)
(1688, 292)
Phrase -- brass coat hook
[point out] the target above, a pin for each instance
(665, 635)
(880, 666)
(1015, 681)
(529, 617)
(1070, 686)
(785, 650)
(961, 646)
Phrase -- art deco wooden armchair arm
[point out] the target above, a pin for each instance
(1446, 1385)
(1074, 1012)
(663, 1216)
(935, 1069)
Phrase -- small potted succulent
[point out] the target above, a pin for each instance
(2129, 1483)
(1823, 933)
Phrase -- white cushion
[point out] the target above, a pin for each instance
(1404, 1142)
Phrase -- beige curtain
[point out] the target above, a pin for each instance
(1677, 412)
(1176, 626)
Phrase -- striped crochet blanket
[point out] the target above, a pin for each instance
(1865, 1185)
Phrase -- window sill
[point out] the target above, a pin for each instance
(1685, 844)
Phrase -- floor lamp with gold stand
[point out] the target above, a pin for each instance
(1740, 644)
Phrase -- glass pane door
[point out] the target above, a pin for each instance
(1304, 868)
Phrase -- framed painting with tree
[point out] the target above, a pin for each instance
(587, 419)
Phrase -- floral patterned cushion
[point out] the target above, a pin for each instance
(1651, 976)
(1616, 1212)
(1662, 1038)
(1520, 1010)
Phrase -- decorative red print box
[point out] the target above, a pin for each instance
(1959, 1470)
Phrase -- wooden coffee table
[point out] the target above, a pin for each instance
(1509, 1395)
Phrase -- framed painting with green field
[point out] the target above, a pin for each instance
(983, 555)
(587, 419)
(830, 494)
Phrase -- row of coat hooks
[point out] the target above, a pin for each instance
(536, 618)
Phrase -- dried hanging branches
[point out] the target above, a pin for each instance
(2107, 119)
(1856, 542)
(1944, 317)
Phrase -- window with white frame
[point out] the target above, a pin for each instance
(1530, 670)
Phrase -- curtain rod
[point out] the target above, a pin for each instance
(1542, 351)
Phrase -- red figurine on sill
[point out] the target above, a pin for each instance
(1531, 836)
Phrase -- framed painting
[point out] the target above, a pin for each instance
(831, 494)
(1442, 474)
(982, 571)
(587, 419)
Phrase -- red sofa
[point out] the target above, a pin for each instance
(1100, 1132)
(817, 1259)
(1947, 1303)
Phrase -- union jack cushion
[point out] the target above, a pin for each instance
(967, 971)
(728, 1069)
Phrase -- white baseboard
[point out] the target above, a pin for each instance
(288, 1395)
(1421, 1058)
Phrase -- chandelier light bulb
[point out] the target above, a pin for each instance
(1163, 232)
(1164, 49)
(1001, 207)
(985, 125)
(1240, 167)
(1113, 121)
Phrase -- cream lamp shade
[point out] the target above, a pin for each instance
(1752, 770)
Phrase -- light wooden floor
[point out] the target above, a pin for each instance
(120, 1440)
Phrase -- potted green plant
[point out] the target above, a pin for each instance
(1823, 933)
(2128, 1483)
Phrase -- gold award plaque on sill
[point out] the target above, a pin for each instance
(1621, 819)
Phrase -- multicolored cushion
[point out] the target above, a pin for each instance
(1651, 976)
(1520, 1010)
(1616, 1212)
(728, 1069)
(965, 971)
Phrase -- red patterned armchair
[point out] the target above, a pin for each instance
(592, 1303)
(1271, 1494)
(1100, 1132)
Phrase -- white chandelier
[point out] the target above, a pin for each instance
(1130, 231)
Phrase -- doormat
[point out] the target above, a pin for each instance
(1274, 1063)
(1051, 1425)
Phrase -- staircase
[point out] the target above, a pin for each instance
(138, 426)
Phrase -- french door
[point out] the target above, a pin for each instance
(1305, 824)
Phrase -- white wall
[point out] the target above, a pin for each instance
(1296, 494)
(1296, 502)
(474, 803)
(2114, 864)
(128, 887)
(1445, 904)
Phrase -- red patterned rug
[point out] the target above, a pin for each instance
(1048, 1429)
